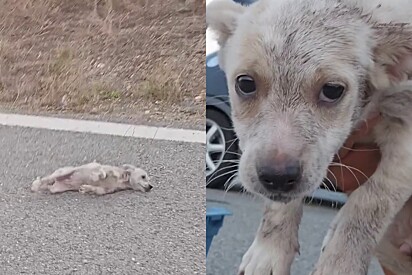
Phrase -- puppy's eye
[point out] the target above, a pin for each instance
(245, 85)
(143, 177)
(331, 92)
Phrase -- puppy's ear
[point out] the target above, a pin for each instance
(128, 167)
(126, 175)
(392, 54)
(222, 16)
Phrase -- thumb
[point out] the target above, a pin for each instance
(366, 127)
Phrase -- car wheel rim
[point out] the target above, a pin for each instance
(215, 146)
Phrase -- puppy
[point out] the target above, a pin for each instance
(94, 178)
(301, 75)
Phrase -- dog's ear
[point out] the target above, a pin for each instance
(392, 54)
(128, 167)
(221, 17)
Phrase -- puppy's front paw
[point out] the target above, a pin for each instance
(262, 259)
(84, 189)
(35, 186)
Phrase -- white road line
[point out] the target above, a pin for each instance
(103, 128)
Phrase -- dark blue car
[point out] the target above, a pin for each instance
(222, 148)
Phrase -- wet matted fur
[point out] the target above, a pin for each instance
(291, 49)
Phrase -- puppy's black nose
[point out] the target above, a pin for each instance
(279, 178)
(150, 187)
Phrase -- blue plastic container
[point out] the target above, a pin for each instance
(214, 221)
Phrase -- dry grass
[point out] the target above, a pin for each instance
(103, 55)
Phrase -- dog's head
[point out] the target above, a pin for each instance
(136, 177)
(300, 75)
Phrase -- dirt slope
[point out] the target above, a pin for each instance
(134, 58)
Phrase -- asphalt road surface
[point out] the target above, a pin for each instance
(238, 231)
(161, 232)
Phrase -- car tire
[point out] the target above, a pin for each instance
(225, 161)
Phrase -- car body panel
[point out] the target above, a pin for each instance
(216, 86)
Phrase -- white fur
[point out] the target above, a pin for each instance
(94, 178)
(291, 48)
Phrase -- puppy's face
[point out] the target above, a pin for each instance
(137, 178)
(300, 74)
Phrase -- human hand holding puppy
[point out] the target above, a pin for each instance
(356, 161)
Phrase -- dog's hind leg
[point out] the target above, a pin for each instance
(276, 242)
(59, 187)
(42, 184)
(38, 185)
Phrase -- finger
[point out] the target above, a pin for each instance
(366, 161)
(366, 127)
(346, 148)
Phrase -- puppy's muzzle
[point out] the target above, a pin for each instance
(148, 188)
(279, 175)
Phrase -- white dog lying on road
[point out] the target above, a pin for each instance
(94, 178)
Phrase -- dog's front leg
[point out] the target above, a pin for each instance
(98, 190)
(369, 210)
(276, 242)
(364, 219)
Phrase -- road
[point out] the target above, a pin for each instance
(161, 232)
(238, 232)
